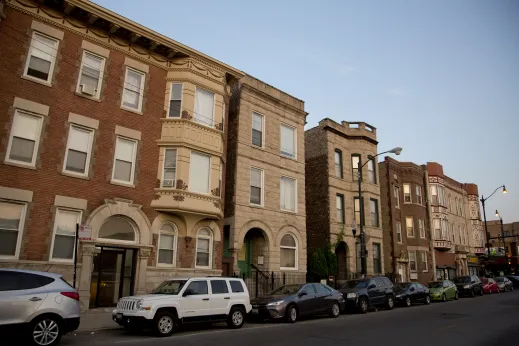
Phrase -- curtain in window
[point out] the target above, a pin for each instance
(199, 172)
(288, 198)
(255, 186)
(25, 131)
(204, 103)
(78, 142)
(64, 240)
(124, 155)
(132, 89)
(288, 141)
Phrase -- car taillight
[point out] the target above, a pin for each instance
(71, 295)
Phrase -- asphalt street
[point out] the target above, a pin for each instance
(488, 320)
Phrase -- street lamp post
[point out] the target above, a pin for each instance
(483, 200)
(503, 238)
(363, 251)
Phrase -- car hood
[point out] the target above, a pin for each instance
(268, 299)
(462, 284)
(436, 290)
(351, 290)
(149, 297)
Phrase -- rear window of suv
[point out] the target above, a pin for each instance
(17, 281)
(236, 286)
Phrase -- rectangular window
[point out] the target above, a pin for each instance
(424, 261)
(421, 228)
(65, 234)
(219, 287)
(355, 162)
(124, 162)
(256, 186)
(11, 226)
(444, 229)
(288, 141)
(167, 246)
(377, 261)
(338, 164)
(169, 174)
(91, 75)
(437, 229)
(356, 210)
(175, 101)
(399, 232)
(373, 204)
(204, 107)
(412, 260)
(434, 194)
(42, 57)
(257, 129)
(372, 174)
(441, 195)
(199, 172)
(24, 139)
(79, 147)
(220, 187)
(339, 201)
(288, 194)
(407, 193)
(419, 195)
(396, 196)
(133, 89)
(409, 225)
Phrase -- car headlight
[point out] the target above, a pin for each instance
(351, 295)
(138, 305)
(278, 303)
(399, 296)
(466, 287)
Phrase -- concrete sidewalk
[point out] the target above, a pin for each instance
(95, 320)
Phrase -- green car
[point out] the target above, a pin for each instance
(443, 290)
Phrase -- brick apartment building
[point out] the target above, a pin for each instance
(332, 154)
(456, 225)
(406, 223)
(108, 124)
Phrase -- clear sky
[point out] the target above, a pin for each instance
(438, 78)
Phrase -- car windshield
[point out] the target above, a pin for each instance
(355, 284)
(170, 287)
(500, 279)
(436, 284)
(286, 290)
(462, 279)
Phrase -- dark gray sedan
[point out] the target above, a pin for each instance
(290, 302)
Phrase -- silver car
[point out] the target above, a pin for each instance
(42, 304)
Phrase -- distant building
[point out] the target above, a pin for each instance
(504, 253)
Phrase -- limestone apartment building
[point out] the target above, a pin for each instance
(408, 249)
(109, 124)
(458, 236)
(264, 225)
(332, 154)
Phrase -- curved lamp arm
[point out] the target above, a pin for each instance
(395, 151)
(499, 187)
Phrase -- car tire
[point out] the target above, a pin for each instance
(444, 298)
(44, 327)
(335, 310)
(456, 296)
(363, 305)
(481, 292)
(291, 314)
(390, 302)
(512, 289)
(236, 318)
(472, 294)
(490, 291)
(407, 301)
(164, 323)
(427, 299)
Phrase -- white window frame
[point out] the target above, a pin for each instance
(419, 198)
(21, 227)
(262, 177)
(141, 89)
(374, 171)
(262, 129)
(220, 181)
(340, 197)
(396, 196)
(79, 218)
(210, 170)
(412, 227)
(175, 244)
(134, 161)
(89, 150)
(214, 108)
(424, 261)
(295, 192)
(36, 144)
(52, 63)
(296, 248)
(170, 99)
(415, 263)
(421, 228)
(434, 192)
(399, 232)
(295, 141)
(101, 74)
(210, 237)
(164, 168)
(410, 194)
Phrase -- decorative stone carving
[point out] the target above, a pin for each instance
(218, 126)
(185, 115)
(156, 197)
(188, 241)
(181, 185)
(88, 251)
(216, 192)
(179, 198)
(157, 183)
(144, 253)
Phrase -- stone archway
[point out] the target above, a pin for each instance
(254, 252)
(341, 251)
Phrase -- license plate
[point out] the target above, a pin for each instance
(254, 311)
(119, 317)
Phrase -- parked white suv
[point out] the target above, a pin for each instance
(41, 305)
(179, 301)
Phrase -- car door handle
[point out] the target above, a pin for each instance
(205, 299)
(227, 298)
(35, 299)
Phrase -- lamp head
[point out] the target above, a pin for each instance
(504, 189)
(497, 213)
(396, 151)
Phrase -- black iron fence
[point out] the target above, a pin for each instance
(260, 283)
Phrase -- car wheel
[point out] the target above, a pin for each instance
(481, 292)
(335, 310)
(456, 296)
(511, 289)
(472, 294)
(291, 314)
(407, 301)
(236, 318)
(390, 302)
(490, 291)
(164, 323)
(46, 331)
(363, 305)
(427, 299)
(444, 298)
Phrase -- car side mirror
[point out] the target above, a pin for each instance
(303, 293)
(187, 292)
(371, 286)
(412, 289)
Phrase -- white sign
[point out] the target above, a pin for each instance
(85, 232)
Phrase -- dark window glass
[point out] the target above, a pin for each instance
(219, 286)
(320, 288)
(236, 286)
(380, 282)
(15, 281)
(198, 287)
(388, 282)
(308, 288)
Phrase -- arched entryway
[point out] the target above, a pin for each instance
(254, 252)
(341, 252)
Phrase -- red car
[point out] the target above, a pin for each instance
(489, 285)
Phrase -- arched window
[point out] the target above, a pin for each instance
(288, 252)
(204, 248)
(167, 244)
(117, 228)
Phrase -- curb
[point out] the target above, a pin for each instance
(94, 331)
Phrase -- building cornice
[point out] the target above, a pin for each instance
(273, 99)
(343, 135)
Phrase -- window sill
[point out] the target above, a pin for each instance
(122, 184)
(72, 175)
(288, 211)
(289, 157)
(20, 165)
(61, 261)
(164, 265)
(288, 269)
(252, 205)
(257, 147)
(131, 110)
(92, 98)
(206, 268)
(36, 80)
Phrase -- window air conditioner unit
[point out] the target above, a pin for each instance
(168, 183)
(88, 90)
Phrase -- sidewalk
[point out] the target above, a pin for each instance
(95, 320)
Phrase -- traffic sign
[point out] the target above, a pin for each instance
(85, 232)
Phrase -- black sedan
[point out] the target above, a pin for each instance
(504, 284)
(290, 302)
(514, 279)
(409, 293)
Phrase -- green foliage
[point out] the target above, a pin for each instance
(322, 264)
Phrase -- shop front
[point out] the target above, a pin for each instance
(474, 266)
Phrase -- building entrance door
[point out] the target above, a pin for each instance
(113, 275)
(244, 258)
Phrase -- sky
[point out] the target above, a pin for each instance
(438, 78)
